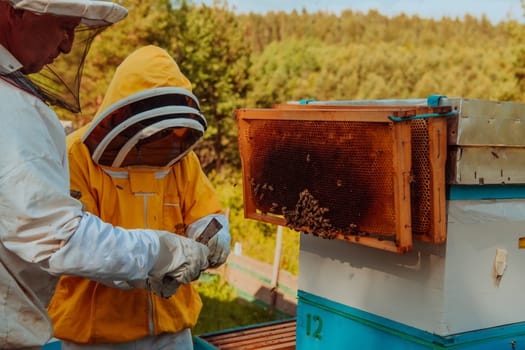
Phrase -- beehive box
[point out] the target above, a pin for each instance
(340, 173)
(486, 143)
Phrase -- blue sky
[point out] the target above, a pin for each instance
(495, 10)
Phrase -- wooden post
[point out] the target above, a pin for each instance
(276, 264)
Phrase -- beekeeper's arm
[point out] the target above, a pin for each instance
(44, 225)
(201, 205)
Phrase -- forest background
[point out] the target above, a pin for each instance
(256, 60)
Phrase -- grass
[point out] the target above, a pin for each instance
(224, 309)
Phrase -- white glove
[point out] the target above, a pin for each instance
(180, 261)
(219, 245)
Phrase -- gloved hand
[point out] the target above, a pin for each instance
(219, 245)
(181, 260)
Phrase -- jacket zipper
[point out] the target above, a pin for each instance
(150, 298)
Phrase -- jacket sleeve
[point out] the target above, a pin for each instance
(36, 212)
(199, 198)
(100, 251)
(41, 223)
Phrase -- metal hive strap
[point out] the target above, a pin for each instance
(423, 116)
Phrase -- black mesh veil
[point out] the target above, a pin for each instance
(58, 83)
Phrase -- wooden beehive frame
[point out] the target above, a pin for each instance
(401, 165)
(437, 155)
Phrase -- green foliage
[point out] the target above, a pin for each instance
(284, 71)
(387, 70)
(223, 309)
(208, 44)
(148, 22)
(371, 56)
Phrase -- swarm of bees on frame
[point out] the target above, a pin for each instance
(259, 190)
(307, 215)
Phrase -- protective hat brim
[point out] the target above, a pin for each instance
(148, 120)
(92, 12)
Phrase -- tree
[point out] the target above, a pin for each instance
(209, 44)
(148, 22)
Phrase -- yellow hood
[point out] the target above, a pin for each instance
(147, 68)
(149, 116)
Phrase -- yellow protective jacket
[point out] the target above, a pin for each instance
(169, 199)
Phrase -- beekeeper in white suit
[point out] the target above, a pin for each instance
(43, 231)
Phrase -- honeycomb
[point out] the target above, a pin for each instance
(422, 179)
(337, 173)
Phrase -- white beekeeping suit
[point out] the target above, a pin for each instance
(43, 231)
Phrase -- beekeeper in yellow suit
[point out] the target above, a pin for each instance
(133, 165)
